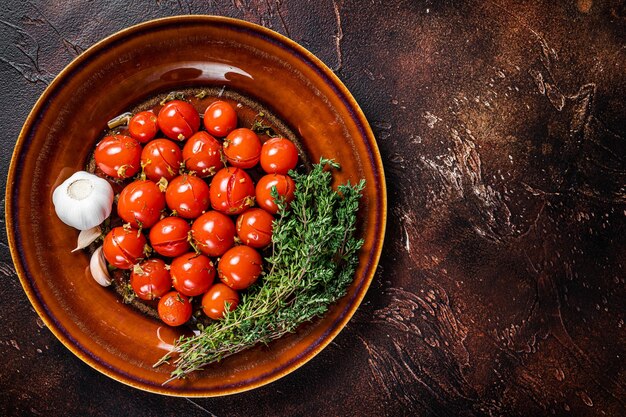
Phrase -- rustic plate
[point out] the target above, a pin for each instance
(110, 77)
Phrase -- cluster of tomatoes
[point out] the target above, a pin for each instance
(189, 212)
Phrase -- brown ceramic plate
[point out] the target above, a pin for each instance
(109, 78)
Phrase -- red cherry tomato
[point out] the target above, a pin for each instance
(202, 154)
(214, 233)
(240, 267)
(284, 186)
(232, 191)
(118, 156)
(242, 148)
(278, 156)
(254, 227)
(188, 195)
(123, 248)
(174, 309)
(140, 203)
(161, 158)
(220, 118)
(192, 274)
(214, 301)
(169, 237)
(178, 120)
(143, 126)
(150, 279)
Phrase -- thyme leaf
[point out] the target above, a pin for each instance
(259, 126)
(174, 95)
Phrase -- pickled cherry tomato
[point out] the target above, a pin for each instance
(232, 191)
(240, 267)
(214, 233)
(140, 203)
(242, 148)
(202, 154)
(178, 120)
(192, 274)
(174, 309)
(118, 156)
(284, 186)
(254, 227)
(150, 279)
(143, 126)
(161, 158)
(122, 248)
(220, 118)
(169, 237)
(215, 299)
(188, 196)
(278, 156)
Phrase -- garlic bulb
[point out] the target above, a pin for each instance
(98, 268)
(83, 200)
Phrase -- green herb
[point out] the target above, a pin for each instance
(313, 261)
(223, 157)
(174, 95)
(139, 229)
(127, 292)
(192, 242)
(259, 126)
(105, 228)
(121, 120)
(163, 184)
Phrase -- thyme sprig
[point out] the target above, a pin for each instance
(313, 261)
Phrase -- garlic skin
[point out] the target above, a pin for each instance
(87, 237)
(98, 268)
(83, 200)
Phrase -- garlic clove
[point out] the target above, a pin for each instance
(87, 237)
(98, 268)
(83, 201)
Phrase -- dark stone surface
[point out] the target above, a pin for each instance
(501, 286)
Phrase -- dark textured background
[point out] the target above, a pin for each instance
(501, 287)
